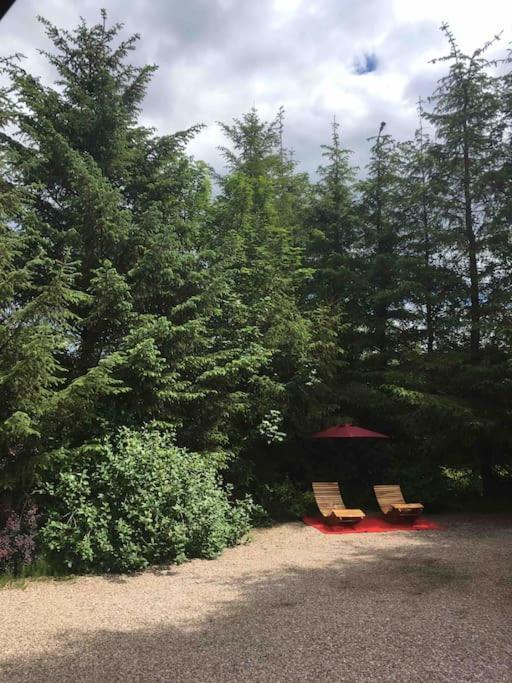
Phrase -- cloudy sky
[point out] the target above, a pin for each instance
(362, 60)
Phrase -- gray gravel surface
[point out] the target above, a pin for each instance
(292, 605)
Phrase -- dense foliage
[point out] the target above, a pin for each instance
(242, 320)
(17, 538)
(135, 500)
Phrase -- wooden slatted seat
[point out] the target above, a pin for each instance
(392, 503)
(331, 505)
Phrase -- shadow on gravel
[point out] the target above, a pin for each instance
(410, 613)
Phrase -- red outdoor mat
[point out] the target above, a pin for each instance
(370, 525)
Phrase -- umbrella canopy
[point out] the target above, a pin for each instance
(348, 431)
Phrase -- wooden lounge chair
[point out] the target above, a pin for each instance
(393, 505)
(331, 505)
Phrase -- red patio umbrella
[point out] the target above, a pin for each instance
(333, 464)
(348, 431)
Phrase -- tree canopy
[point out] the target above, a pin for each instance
(244, 319)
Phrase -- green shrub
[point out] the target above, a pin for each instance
(136, 500)
(285, 500)
(463, 482)
(438, 487)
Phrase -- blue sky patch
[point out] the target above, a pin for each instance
(367, 64)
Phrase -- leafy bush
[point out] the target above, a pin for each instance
(135, 500)
(439, 487)
(285, 500)
(17, 538)
(463, 482)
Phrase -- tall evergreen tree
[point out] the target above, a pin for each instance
(333, 224)
(36, 298)
(436, 291)
(121, 209)
(465, 117)
(334, 294)
(383, 224)
(260, 257)
(500, 292)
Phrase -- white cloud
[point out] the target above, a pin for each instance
(473, 22)
(219, 57)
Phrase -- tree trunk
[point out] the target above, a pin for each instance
(474, 289)
(429, 318)
(381, 310)
(487, 472)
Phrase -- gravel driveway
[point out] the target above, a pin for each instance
(293, 605)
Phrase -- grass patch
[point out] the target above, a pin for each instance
(8, 580)
(40, 570)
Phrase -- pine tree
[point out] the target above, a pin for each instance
(125, 209)
(36, 301)
(499, 325)
(436, 291)
(248, 213)
(333, 225)
(383, 223)
(261, 261)
(465, 118)
(293, 188)
(333, 297)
